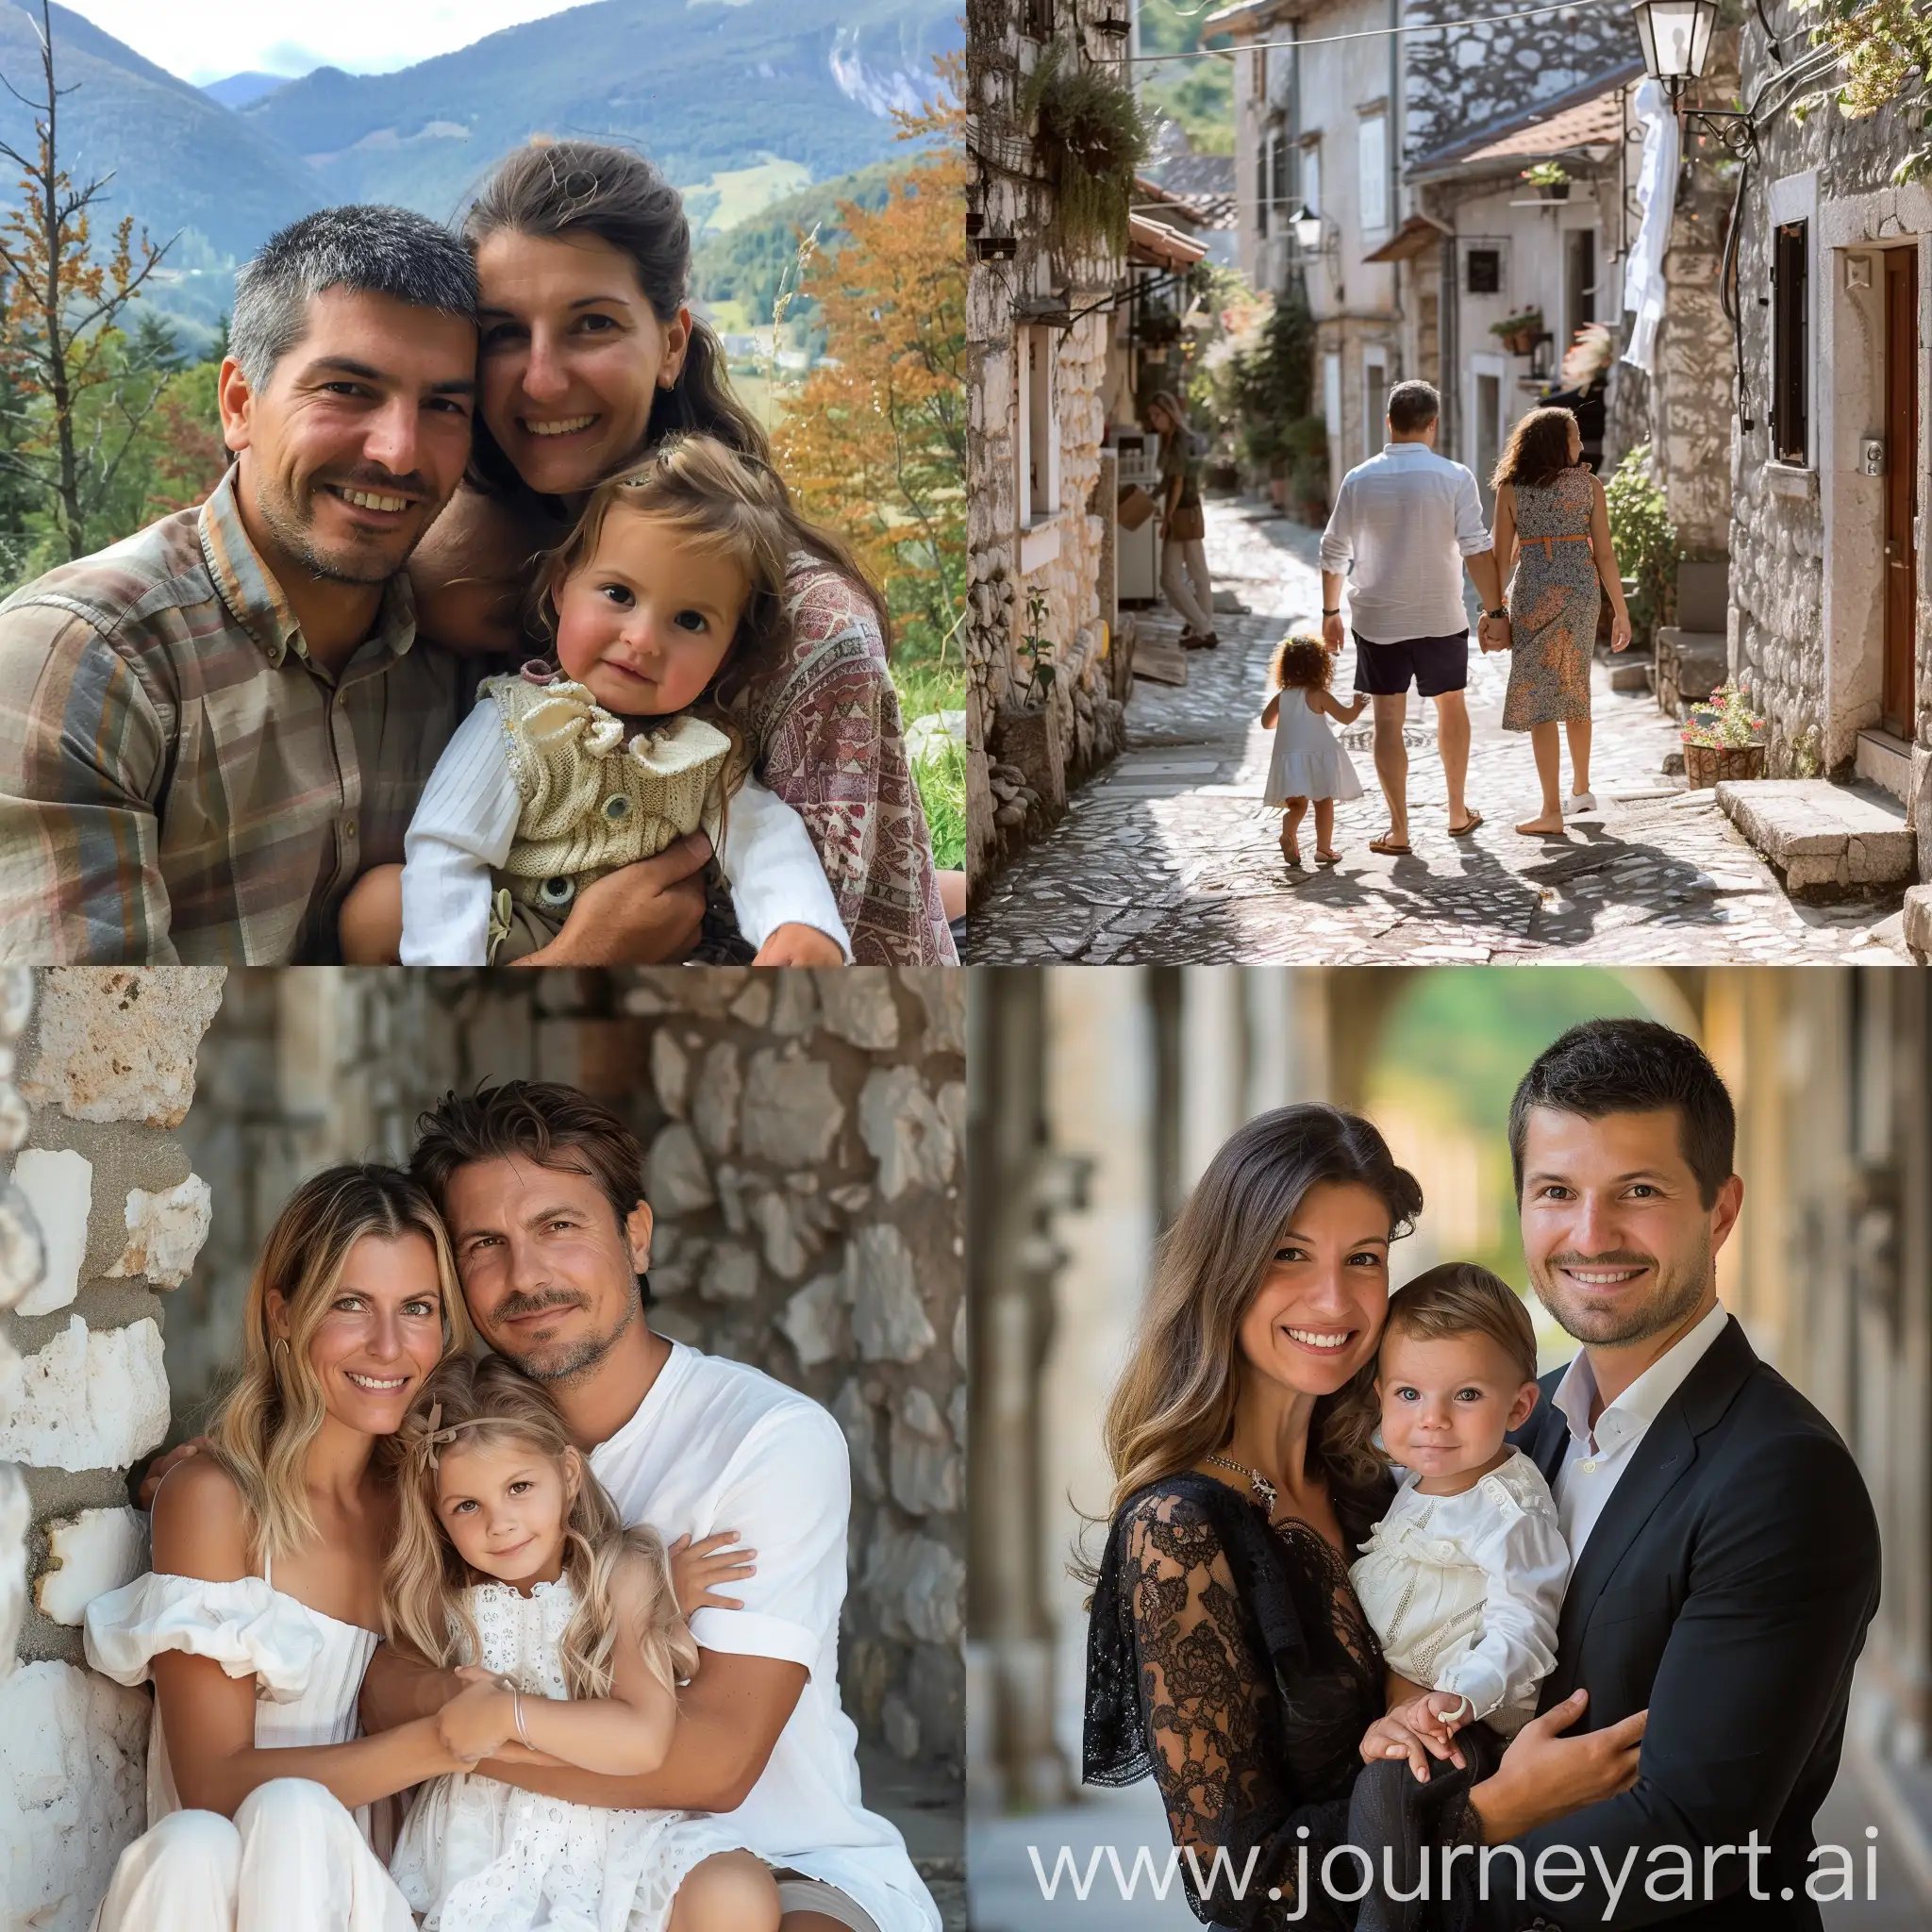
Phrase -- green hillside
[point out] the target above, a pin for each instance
(181, 161)
(1198, 93)
(705, 89)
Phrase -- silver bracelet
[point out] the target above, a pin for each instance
(516, 1706)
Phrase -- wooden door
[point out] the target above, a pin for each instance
(1901, 488)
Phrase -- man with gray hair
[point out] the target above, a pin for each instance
(209, 731)
(1404, 525)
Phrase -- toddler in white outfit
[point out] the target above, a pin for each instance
(1463, 1578)
(1308, 762)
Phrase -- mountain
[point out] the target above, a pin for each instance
(241, 90)
(702, 86)
(778, 90)
(180, 160)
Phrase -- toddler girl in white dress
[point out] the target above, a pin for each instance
(511, 1564)
(1308, 762)
(1463, 1578)
(663, 604)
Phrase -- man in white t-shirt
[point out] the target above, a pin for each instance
(541, 1193)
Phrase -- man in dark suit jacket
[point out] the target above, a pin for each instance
(1725, 1552)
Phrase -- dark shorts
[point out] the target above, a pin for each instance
(1435, 665)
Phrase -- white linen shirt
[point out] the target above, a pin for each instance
(1594, 1461)
(466, 821)
(1463, 1591)
(1405, 519)
(717, 1445)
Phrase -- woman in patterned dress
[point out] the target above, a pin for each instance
(1553, 526)
(589, 357)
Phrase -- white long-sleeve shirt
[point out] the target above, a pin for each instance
(466, 820)
(1464, 1591)
(1402, 523)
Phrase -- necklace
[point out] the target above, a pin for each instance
(1264, 1491)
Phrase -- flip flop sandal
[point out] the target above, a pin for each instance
(1327, 859)
(1464, 830)
(1390, 848)
(1293, 859)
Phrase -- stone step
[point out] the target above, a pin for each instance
(1825, 841)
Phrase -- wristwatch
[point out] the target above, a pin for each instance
(1502, 611)
(1335, 612)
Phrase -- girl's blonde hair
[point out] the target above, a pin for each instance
(1301, 662)
(1166, 399)
(484, 1403)
(1174, 1402)
(276, 1408)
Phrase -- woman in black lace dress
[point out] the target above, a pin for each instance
(1227, 1653)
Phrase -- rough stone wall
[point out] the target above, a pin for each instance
(1815, 707)
(1455, 83)
(805, 1137)
(102, 1217)
(1017, 775)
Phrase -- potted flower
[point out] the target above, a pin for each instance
(1723, 739)
(1519, 332)
(1550, 179)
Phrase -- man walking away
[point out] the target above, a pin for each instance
(1401, 522)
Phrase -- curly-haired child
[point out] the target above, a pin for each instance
(1308, 761)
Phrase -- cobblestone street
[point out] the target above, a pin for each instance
(1170, 856)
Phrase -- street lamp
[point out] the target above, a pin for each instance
(1307, 226)
(1676, 39)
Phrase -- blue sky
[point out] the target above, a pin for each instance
(207, 39)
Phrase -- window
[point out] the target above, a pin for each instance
(1789, 344)
(1375, 399)
(1039, 432)
(1036, 19)
(1311, 175)
(1331, 396)
(1580, 280)
(1483, 271)
(1282, 190)
(1372, 170)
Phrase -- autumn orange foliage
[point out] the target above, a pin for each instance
(874, 439)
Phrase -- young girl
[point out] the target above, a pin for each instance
(1308, 762)
(664, 602)
(1463, 1578)
(511, 1564)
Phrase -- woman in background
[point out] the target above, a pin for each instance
(1184, 579)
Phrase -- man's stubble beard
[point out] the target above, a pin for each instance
(1677, 1293)
(283, 522)
(580, 1357)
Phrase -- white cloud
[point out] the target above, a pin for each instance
(208, 39)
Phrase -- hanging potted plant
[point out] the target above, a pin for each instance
(1550, 179)
(1090, 135)
(1519, 332)
(1723, 739)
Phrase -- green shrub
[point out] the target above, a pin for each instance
(941, 776)
(1093, 133)
(1645, 542)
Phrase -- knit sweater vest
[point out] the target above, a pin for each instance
(592, 802)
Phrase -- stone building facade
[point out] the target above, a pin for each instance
(804, 1162)
(1039, 481)
(1815, 543)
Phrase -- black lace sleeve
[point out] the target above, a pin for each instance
(1200, 1670)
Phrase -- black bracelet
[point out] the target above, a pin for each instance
(1335, 612)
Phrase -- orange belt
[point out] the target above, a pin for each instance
(1569, 536)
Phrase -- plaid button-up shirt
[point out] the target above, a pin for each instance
(178, 781)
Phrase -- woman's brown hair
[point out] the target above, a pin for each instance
(549, 189)
(1174, 1402)
(1537, 451)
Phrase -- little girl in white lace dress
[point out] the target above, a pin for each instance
(512, 1565)
(1308, 762)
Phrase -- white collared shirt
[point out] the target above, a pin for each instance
(1405, 521)
(1594, 1461)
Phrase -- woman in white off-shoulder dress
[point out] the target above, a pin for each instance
(266, 1805)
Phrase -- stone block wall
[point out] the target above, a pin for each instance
(1812, 648)
(100, 1219)
(1014, 791)
(803, 1133)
